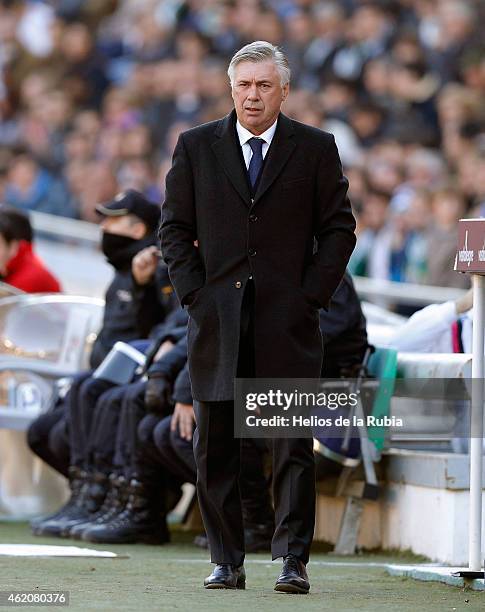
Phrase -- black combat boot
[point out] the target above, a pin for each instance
(93, 499)
(77, 480)
(89, 499)
(142, 520)
(114, 503)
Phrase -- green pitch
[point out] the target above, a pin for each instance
(169, 577)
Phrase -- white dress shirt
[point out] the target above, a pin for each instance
(245, 135)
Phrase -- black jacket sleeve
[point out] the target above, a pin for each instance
(334, 230)
(174, 328)
(154, 301)
(178, 226)
(344, 312)
(344, 330)
(182, 391)
(172, 362)
(170, 328)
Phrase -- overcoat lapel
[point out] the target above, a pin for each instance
(226, 149)
(281, 148)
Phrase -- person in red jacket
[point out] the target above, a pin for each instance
(20, 267)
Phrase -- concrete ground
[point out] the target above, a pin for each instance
(169, 578)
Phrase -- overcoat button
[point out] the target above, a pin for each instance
(253, 218)
(238, 284)
(252, 252)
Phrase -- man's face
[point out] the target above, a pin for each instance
(258, 94)
(126, 225)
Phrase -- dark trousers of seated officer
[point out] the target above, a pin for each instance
(48, 438)
(55, 436)
(218, 455)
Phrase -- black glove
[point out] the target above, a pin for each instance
(158, 395)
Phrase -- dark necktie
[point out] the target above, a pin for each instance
(256, 162)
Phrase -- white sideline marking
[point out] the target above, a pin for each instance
(314, 563)
(44, 550)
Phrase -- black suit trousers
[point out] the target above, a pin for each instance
(218, 457)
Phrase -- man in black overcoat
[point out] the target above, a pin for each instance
(256, 232)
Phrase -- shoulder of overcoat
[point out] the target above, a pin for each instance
(308, 135)
(311, 136)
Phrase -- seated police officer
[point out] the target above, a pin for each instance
(149, 491)
(129, 224)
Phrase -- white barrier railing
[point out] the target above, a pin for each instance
(66, 229)
(374, 290)
(403, 293)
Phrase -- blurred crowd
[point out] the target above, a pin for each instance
(94, 93)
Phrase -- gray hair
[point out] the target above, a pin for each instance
(261, 51)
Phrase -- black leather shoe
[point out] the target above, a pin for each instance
(293, 577)
(226, 576)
